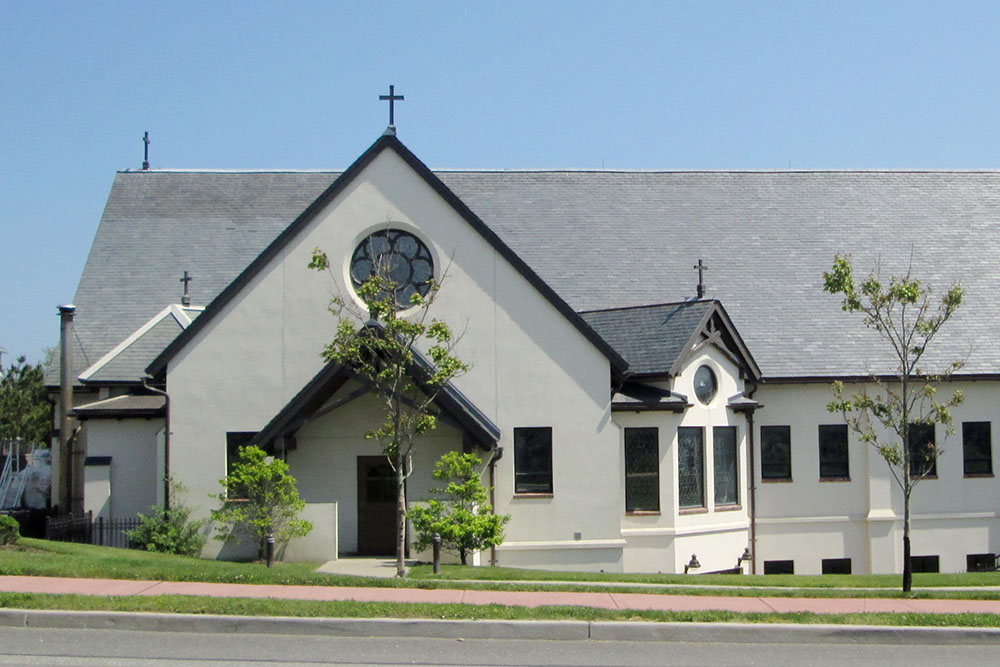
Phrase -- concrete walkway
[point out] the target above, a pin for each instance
(603, 600)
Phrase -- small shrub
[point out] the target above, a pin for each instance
(10, 529)
(464, 518)
(260, 498)
(169, 530)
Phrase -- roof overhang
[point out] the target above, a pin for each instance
(313, 401)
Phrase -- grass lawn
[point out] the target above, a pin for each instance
(62, 559)
(827, 581)
(43, 558)
(182, 604)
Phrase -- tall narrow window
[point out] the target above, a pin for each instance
(977, 451)
(833, 460)
(691, 467)
(533, 460)
(726, 465)
(642, 470)
(775, 452)
(923, 454)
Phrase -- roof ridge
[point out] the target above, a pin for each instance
(689, 302)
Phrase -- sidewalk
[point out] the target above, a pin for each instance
(603, 600)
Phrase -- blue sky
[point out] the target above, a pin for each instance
(647, 85)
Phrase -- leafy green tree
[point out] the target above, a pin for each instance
(260, 498)
(25, 410)
(884, 411)
(380, 347)
(169, 529)
(463, 517)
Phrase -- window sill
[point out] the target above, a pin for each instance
(834, 479)
(978, 475)
(533, 495)
(693, 510)
(728, 508)
(642, 512)
(777, 480)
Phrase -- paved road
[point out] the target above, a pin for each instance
(37, 646)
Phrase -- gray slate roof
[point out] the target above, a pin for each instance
(650, 338)
(604, 239)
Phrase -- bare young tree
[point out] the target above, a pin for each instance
(382, 348)
(891, 413)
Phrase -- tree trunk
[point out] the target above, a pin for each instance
(400, 514)
(907, 568)
(462, 554)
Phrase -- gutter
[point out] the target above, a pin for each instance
(497, 454)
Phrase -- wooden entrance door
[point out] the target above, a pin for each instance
(376, 506)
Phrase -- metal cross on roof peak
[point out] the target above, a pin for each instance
(391, 98)
(701, 277)
(186, 299)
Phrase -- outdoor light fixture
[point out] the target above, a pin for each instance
(693, 565)
(746, 557)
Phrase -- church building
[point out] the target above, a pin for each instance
(651, 354)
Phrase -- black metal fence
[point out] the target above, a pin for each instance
(83, 529)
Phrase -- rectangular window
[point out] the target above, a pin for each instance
(833, 460)
(775, 452)
(691, 466)
(923, 455)
(925, 564)
(980, 562)
(836, 566)
(726, 465)
(779, 567)
(234, 441)
(977, 450)
(642, 470)
(533, 460)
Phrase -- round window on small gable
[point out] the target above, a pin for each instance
(705, 384)
(403, 257)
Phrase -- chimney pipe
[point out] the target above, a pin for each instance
(65, 406)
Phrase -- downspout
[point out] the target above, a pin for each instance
(166, 440)
(497, 454)
(752, 509)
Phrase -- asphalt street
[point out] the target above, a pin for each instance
(46, 646)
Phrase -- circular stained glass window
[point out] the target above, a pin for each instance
(401, 256)
(705, 384)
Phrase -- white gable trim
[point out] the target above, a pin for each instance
(176, 310)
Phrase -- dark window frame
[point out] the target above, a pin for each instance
(836, 566)
(637, 475)
(834, 457)
(533, 460)
(921, 438)
(779, 567)
(920, 564)
(977, 464)
(699, 462)
(733, 472)
(780, 468)
(235, 440)
(980, 562)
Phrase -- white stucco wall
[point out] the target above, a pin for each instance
(132, 445)
(530, 367)
(807, 520)
(664, 542)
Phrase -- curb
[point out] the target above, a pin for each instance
(761, 633)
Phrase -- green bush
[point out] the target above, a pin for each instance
(463, 517)
(10, 529)
(260, 498)
(169, 530)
